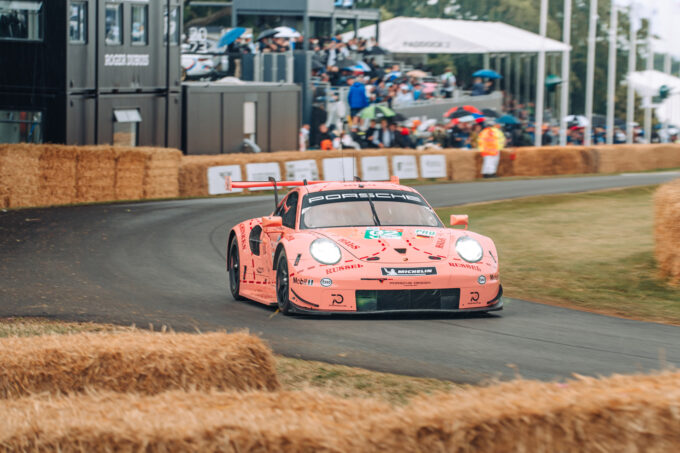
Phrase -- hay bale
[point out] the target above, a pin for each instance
(130, 170)
(58, 174)
(622, 413)
(20, 175)
(161, 175)
(463, 164)
(95, 174)
(137, 362)
(667, 230)
(552, 160)
(622, 158)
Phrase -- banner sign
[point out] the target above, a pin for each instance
(217, 177)
(375, 168)
(433, 166)
(262, 172)
(298, 170)
(339, 169)
(405, 167)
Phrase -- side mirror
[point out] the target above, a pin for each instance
(272, 225)
(459, 220)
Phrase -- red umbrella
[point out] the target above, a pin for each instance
(457, 112)
(468, 119)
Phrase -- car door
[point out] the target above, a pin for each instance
(266, 246)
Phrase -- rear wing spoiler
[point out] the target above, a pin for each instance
(274, 184)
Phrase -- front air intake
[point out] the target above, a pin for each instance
(415, 299)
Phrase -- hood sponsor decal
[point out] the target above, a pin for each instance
(421, 233)
(408, 271)
(379, 233)
(332, 270)
(466, 266)
(440, 243)
(326, 282)
(348, 243)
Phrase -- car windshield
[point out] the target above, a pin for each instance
(366, 207)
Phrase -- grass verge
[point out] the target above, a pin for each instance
(293, 374)
(593, 251)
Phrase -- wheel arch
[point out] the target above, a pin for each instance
(279, 250)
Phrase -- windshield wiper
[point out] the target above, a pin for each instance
(375, 214)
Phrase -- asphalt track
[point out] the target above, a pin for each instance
(163, 263)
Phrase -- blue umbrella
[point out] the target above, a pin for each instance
(507, 119)
(230, 36)
(487, 74)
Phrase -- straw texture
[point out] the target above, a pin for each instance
(20, 175)
(161, 173)
(667, 230)
(628, 414)
(134, 362)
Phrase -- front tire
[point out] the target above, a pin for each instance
(283, 285)
(234, 270)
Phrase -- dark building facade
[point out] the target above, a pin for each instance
(91, 71)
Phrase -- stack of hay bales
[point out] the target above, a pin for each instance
(20, 175)
(553, 160)
(622, 413)
(161, 173)
(130, 172)
(667, 230)
(134, 362)
(622, 158)
(44, 175)
(95, 174)
(58, 169)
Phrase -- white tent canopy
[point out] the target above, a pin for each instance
(423, 36)
(647, 84)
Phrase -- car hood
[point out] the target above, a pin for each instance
(392, 244)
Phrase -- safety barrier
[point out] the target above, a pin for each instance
(204, 175)
(41, 175)
(667, 230)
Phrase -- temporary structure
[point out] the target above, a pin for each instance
(432, 36)
(647, 85)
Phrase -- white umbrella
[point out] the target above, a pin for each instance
(580, 120)
(286, 32)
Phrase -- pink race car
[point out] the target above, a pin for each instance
(360, 247)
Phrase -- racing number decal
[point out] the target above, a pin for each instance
(377, 233)
(338, 299)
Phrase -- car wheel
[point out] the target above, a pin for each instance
(283, 285)
(234, 270)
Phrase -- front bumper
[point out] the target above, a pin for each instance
(496, 304)
(360, 287)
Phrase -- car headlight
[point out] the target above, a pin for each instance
(325, 251)
(469, 249)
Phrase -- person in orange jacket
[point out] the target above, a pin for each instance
(491, 141)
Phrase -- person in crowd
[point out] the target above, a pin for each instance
(303, 138)
(402, 137)
(372, 135)
(386, 135)
(491, 142)
(448, 80)
(325, 138)
(337, 113)
(356, 98)
(478, 88)
(404, 97)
